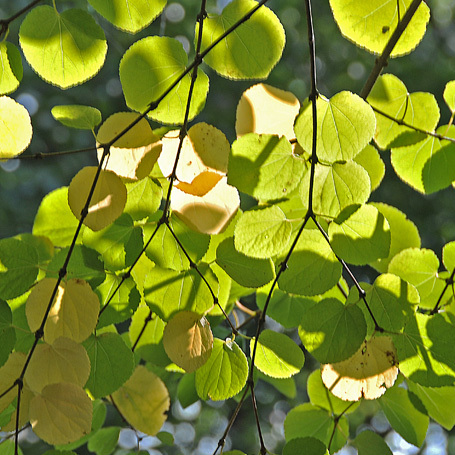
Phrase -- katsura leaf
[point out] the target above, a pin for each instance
(143, 198)
(104, 441)
(10, 68)
(77, 116)
(7, 332)
(308, 445)
(449, 95)
(371, 161)
(369, 443)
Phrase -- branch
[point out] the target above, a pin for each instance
(4, 23)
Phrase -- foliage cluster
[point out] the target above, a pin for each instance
(128, 293)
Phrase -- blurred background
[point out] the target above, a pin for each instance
(340, 66)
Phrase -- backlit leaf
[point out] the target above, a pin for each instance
(7, 332)
(448, 256)
(9, 372)
(255, 47)
(64, 49)
(449, 95)
(225, 372)
(188, 340)
(143, 198)
(371, 161)
(143, 400)
(10, 67)
(77, 116)
(108, 199)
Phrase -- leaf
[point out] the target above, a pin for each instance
(390, 96)
(129, 15)
(143, 198)
(104, 441)
(62, 413)
(15, 128)
(371, 161)
(264, 109)
(143, 400)
(336, 187)
(249, 53)
(9, 372)
(77, 116)
(371, 24)
(367, 374)
(112, 363)
(449, 95)
(361, 236)
(277, 355)
(55, 219)
(307, 420)
(369, 443)
(188, 340)
(403, 234)
(448, 256)
(63, 361)
(7, 332)
(73, 313)
(149, 67)
(10, 68)
(119, 244)
(64, 49)
(406, 415)
(208, 214)
(186, 390)
(346, 124)
(108, 199)
(264, 166)
(224, 374)
(312, 268)
(167, 292)
(262, 233)
(331, 331)
(18, 267)
(308, 445)
(286, 386)
(248, 272)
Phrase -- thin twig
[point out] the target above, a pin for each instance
(4, 23)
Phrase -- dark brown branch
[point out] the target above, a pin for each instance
(4, 23)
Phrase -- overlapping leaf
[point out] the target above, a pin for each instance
(10, 67)
(77, 116)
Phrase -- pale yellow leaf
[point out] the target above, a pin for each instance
(63, 361)
(73, 314)
(9, 372)
(143, 401)
(211, 213)
(108, 199)
(24, 411)
(188, 340)
(264, 109)
(61, 414)
(368, 373)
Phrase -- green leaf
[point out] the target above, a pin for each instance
(112, 363)
(371, 24)
(104, 441)
(18, 267)
(312, 268)
(438, 401)
(143, 198)
(186, 390)
(448, 256)
(336, 187)
(390, 96)
(164, 250)
(119, 244)
(360, 237)
(24, 336)
(42, 245)
(7, 447)
(248, 272)
(263, 232)
(331, 331)
(264, 166)
(403, 234)
(308, 420)
(149, 67)
(371, 161)
(449, 95)
(224, 374)
(308, 446)
(129, 15)
(10, 67)
(7, 332)
(406, 415)
(166, 438)
(168, 291)
(346, 124)
(55, 219)
(285, 386)
(277, 355)
(64, 49)
(322, 397)
(425, 350)
(370, 443)
(252, 50)
(77, 116)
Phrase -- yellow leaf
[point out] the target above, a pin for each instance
(73, 314)
(9, 372)
(143, 400)
(61, 414)
(15, 128)
(201, 184)
(264, 109)
(139, 135)
(63, 361)
(368, 373)
(188, 340)
(24, 411)
(205, 148)
(211, 213)
(108, 199)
